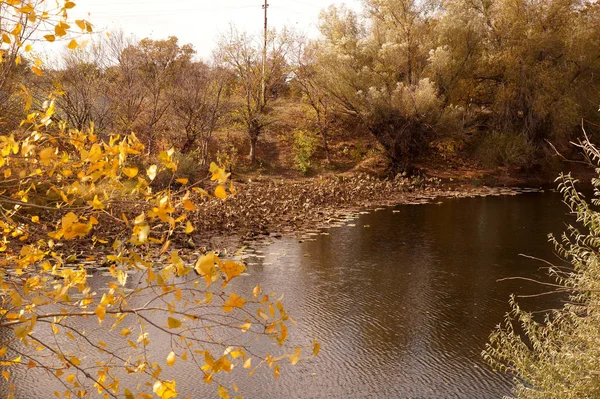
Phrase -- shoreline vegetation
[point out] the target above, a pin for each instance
(272, 207)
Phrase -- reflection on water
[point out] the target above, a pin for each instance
(403, 306)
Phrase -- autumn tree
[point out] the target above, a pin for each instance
(156, 63)
(67, 191)
(198, 104)
(242, 53)
(84, 87)
(127, 91)
(20, 25)
(307, 77)
(527, 68)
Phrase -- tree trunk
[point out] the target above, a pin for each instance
(204, 151)
(252, 155)
(325, 145)
(188, 145)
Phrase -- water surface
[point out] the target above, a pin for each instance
(402, 300)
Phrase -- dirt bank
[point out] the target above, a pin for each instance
(274, 207)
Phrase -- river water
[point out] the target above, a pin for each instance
(402, 300)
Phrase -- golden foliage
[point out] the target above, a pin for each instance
(70, 189)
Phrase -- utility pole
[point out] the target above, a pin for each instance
(264, 60)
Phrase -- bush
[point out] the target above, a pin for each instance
(559, 358)
(305, 145)
(505, 149)
(188, 167)
(228, 157)
(402, 120)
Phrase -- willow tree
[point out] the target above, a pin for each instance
(559, 357)
(532, 66)
(375, 69)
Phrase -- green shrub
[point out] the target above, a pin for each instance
(506, 149)
(227, 157)
(559, 357)
(305, 145)
(188, 167)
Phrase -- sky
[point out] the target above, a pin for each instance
(200, 22)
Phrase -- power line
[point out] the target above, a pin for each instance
(165, 12)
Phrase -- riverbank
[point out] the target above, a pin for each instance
(269, 208)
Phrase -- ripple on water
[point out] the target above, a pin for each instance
(402, 309)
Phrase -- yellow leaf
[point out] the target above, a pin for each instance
(171, 359)
(80, 23)
(231, 270)
(165, 389)
(151, 172)
(122, 277)
(6, 374)
(222, 392)
(125, 332)
(142, 233)
(261, 313)
(46, 155)
(183, 180)
(75, 361)
(316, 348)
(245, 327)
(220, 192)
(69, 4)
(234, 301)
(200, 191)
(295, 357)
(96, 204)
(50, 38)
(140, 219)
(17, 30)
(70, 378)
(173, 323)
(130, 172)
(205, 266)
(35, 219)
(218, 173)
(248, 363)
(21, 331)
(61, 29)
(189, 228)
(100, 312)
(188, 205)
(73, 44)
(237, 353)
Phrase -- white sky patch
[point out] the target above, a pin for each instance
(201, 22)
